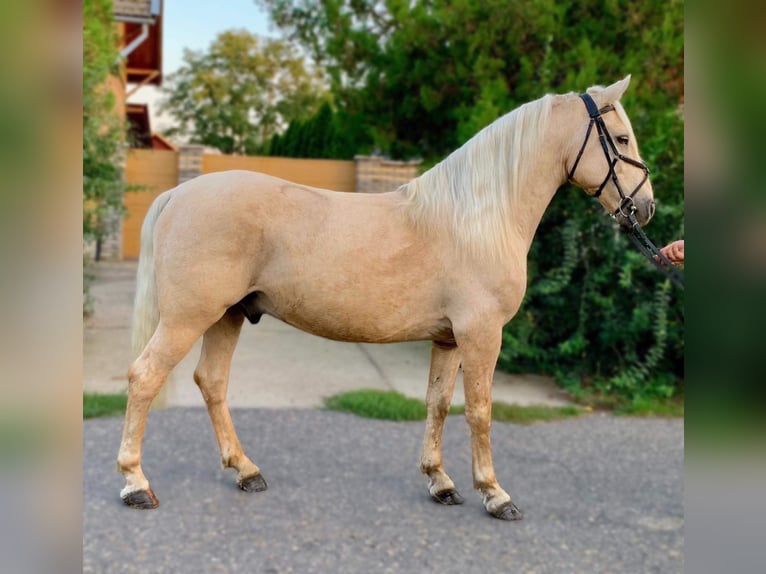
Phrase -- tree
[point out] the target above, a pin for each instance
(418, 70)
(241, 92)
(327, 134)
(103, 131)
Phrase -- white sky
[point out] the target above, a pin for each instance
(194, 24)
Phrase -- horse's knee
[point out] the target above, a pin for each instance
(440, 407)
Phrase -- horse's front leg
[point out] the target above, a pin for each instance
(445, 361)
(479, 349)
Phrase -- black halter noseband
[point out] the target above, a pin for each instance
(626, 208)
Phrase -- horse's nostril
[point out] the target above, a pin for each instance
(651, 209)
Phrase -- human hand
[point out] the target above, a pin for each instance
(674, 252)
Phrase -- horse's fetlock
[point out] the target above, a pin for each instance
(230, 461)
(127, 464)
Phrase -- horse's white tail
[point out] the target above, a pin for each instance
(145, 313)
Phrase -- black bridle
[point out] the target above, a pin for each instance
(626, 208)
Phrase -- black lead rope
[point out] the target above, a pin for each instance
(650, 251)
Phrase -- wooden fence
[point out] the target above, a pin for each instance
(332, 174)
(155, 171)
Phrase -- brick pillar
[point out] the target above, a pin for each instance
(110, 248)
(189, 162)
(375, 174)
(111, 245)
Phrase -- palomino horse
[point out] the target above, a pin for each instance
(443, 258)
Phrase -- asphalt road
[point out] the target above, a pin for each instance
(600, 494)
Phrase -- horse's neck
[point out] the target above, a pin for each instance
(537, 192)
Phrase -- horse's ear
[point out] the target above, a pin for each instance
(610, 94)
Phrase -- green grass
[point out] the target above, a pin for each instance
(652, 408)
(103, 405)
(532, 414)
(393, 406)
(387, 405)
(637, 407)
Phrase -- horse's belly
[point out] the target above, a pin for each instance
(357, 321)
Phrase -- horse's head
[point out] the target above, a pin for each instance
(603, 158)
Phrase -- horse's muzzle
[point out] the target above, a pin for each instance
(643, 211)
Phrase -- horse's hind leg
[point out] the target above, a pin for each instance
(164, 351)
(212, 377)
(445, 361)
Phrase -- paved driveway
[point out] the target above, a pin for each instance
(600, 493)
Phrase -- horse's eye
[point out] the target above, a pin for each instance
(622, 140)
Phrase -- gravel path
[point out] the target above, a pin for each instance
(600, 494)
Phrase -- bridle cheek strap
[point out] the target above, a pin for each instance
(571, 173)
(605, 139)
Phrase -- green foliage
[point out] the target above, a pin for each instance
(387, 405)
(648, 407)
(394, 406)
(241, 92)
(427, 75)
(326, 135)
(532, 414)
(103, 405)
(422, 77)
(103, 130)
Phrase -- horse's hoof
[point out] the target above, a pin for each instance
(143, 499)
(448, 497)
(508, 511)
(254, 483)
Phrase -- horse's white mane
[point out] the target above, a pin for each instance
(474, 190)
